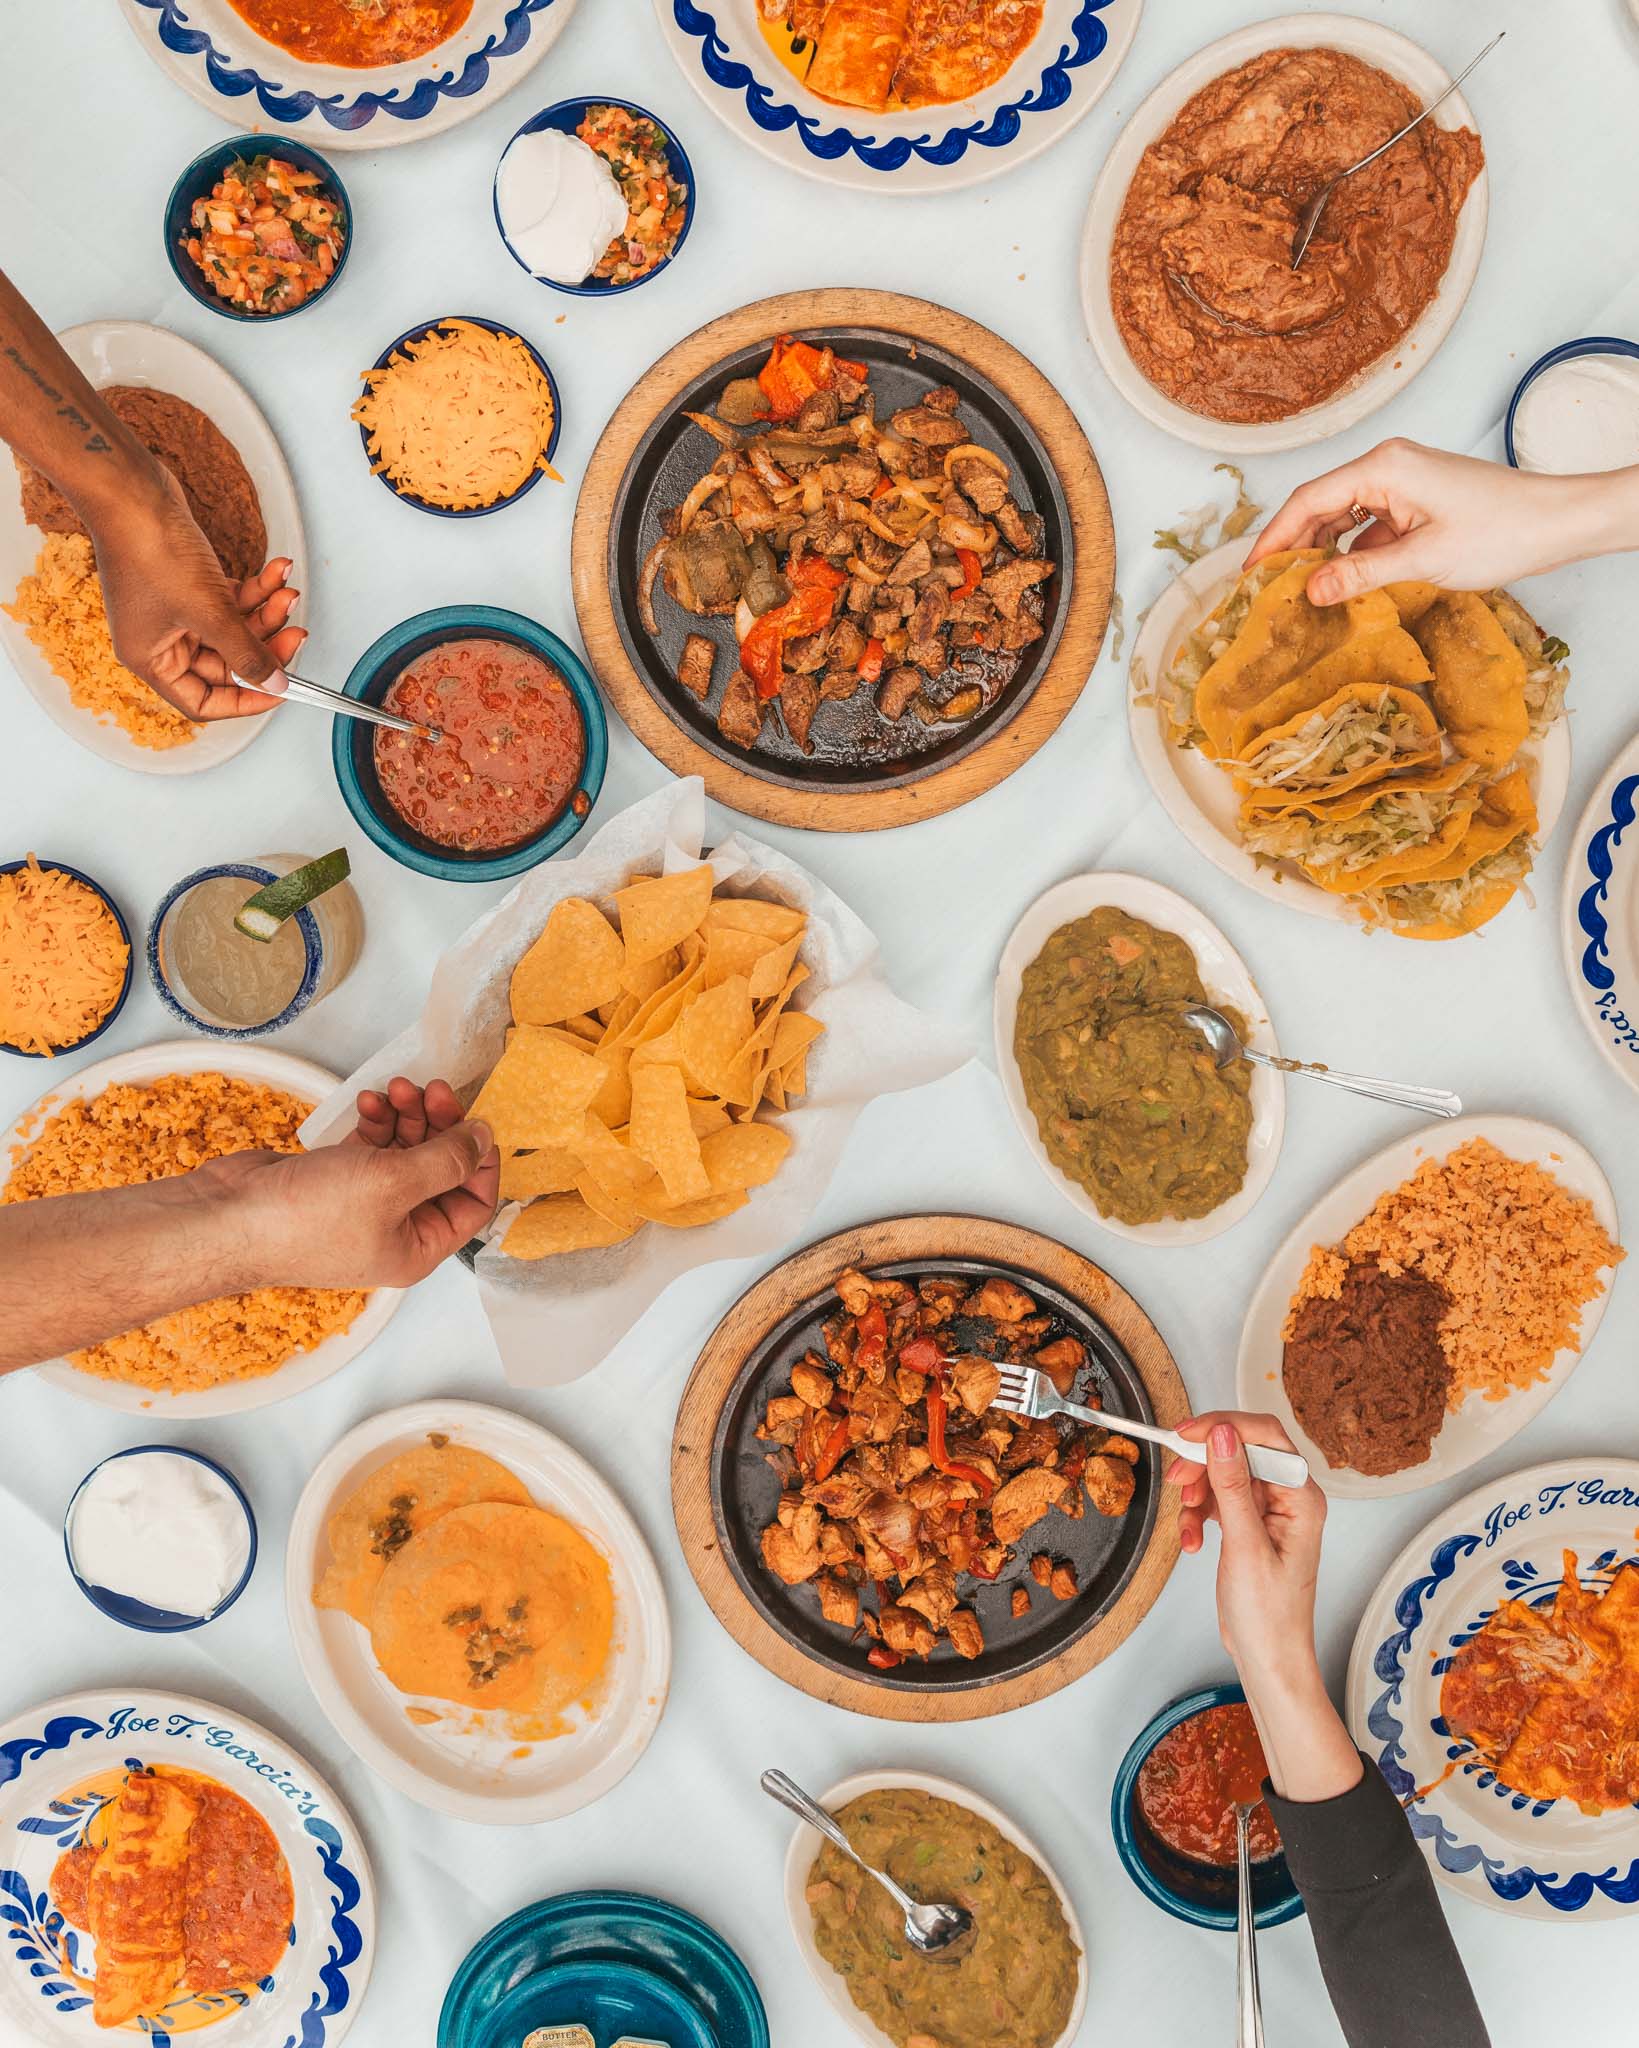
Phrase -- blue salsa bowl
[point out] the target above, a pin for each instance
(196, 183)
(469, 511)
(566, 117)
(62, 867)
(352, 743)
(1201, 1893)
(121, 1607)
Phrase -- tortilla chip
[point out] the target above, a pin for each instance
(1479, 678)
(773, 1086)
(776, 922)
(769, 975)
(714, 1034)
(616, 1016)
(665, 1006)
(609, 1155)
(661, 1133)
(395, 1502)
(651, 976)
(612, 1104)
(793, 1035)
(560, 1223)
(743, 1156)
(793, 1077)
(589, 1027)
(573, 966)
(658, 913)
(731, 950)
(613, 1204)
(708, 1209)
(706, 1117)
(550, 1171)
(540, 1089)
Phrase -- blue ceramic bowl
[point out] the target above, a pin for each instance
(352, 745)
(574, 1945)
(196, 183)
(1568, 351)
(1200, 1893)
(566, 117)
(62, 867)
(159, 1621)
(534, 476)
(307, 926)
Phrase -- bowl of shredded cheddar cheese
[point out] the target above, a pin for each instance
(65, 959)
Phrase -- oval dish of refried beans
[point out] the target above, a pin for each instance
(1201, 277)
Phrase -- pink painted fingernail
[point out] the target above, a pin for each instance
(1225, 1443)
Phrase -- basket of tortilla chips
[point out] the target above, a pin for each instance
(670, 1049)
(1379, 748)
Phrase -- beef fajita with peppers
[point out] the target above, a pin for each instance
(902, 1487)
(853, 554)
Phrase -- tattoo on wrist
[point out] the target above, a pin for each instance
(94, 442)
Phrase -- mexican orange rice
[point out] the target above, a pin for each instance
(1518, 1254)
(60, 608)
(133, 1133)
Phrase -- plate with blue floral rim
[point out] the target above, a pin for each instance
(210, 50)
(62, 1762)
(1538, 1859)
(1599, 914)
(735, 68)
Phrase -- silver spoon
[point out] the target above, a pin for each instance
(1248, 2005)
(1309, 218)
(928, 1929)
(1226, 1046)
(298, 690)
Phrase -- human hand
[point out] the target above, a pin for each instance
(1269, 1555)
(406, 1188)
(176, 619)
(1437, 518)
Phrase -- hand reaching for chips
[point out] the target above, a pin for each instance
(639, 1059)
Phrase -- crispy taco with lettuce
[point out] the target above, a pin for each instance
(1365, 733)
(1479, 875)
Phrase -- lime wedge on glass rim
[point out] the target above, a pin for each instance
(269, 908)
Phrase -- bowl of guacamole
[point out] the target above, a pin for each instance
(1117, 1096)
(1019, 1980)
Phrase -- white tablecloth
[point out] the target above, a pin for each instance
(93, 137)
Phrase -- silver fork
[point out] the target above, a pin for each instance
(1024, 1391)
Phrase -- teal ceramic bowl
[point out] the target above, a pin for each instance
(352, 743)
(1201, 1893)
(599, 1960)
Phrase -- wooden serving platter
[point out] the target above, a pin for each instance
(648, 456)
(723, 1494)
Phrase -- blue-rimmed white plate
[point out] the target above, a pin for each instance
(212, 52)
(1541, 1859)
(62, 1761)
(1599, 914)
(1055, 80)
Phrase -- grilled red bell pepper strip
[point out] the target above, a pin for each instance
(873, 1337)
(815, 584)
(795, 370)
(831, 1455)
(882, 1657)
(972, 570)
(869, 665)
(952, 1468)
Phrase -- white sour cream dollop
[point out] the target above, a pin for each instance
(1579, 417)
(559, 203)
(162, 1529)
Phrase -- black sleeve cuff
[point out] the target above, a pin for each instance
(1346, 1843)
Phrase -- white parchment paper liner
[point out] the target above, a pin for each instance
(554, 1319)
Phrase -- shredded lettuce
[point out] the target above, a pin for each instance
(1394, 824)
(1419, 903)
(1354, 737)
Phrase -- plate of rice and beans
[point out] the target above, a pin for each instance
(207, 430)
(144, 1116)
(1433, 1303)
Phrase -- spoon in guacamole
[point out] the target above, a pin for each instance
(928, 1928)
(1226, 1046)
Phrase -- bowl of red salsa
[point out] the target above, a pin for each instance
(522, 758)
(1173, 1812)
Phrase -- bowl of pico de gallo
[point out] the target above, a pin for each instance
(258, 228)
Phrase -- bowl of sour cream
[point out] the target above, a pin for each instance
(1575, 412)
(622, 202)
(160, 1538)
